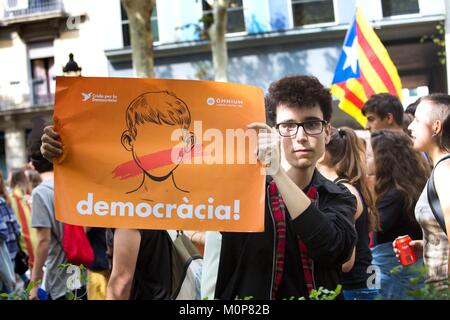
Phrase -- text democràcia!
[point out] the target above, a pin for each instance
(159, 210)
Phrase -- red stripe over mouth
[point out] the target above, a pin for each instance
(153, 161)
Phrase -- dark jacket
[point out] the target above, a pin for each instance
(247, 260)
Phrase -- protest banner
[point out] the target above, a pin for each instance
(158, 154)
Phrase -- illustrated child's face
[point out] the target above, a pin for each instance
(155, 155)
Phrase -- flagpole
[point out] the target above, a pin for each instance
(447, 41)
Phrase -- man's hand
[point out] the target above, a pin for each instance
(268, 150)
(51, 147)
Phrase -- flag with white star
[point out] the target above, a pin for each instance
(363, 69)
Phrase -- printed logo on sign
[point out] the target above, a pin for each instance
(98, 97)
(225, 102)
(86, 96)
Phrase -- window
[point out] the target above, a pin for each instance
(235, 22)
(43, 80)
(126, 26)
(312, 12)
(399, 7)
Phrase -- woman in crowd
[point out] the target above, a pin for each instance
(20, 193)
(401, 174)
(431, 134)
(9, 234)
(344, 162)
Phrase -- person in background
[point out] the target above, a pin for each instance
(7, 276)
(34, 178)
(344, 162)
(431, 134)
(384, 112)
(49, 250)
(408, 116)
(99, 271)
(9, 236)
(19, 195)
(401, 174)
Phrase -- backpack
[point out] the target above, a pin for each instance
(75, 243)
(433, 199)
(186, 267)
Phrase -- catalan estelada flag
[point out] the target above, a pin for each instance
(364, 68)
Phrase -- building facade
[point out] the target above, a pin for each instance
(267, 39)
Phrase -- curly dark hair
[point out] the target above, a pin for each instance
(299, 92)
(398, 166)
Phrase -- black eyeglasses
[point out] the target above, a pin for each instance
(310, 127)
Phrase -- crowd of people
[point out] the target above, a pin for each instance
(334, 206)
(33, 237)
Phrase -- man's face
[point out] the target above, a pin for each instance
(160, 163)
(421, 128)
(302, 151)
(375, 122)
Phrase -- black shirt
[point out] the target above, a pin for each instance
(97, 239)
(358, 275)
(394, 220)
(152, 277)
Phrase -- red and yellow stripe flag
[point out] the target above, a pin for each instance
(363, 69)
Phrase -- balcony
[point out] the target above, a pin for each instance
(30, 95)
(23, 11)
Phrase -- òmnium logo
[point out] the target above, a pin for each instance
(221, 102)
(97, 97)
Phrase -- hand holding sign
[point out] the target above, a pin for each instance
(268, 150)
(51, 147)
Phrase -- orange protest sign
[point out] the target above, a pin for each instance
(158, 154)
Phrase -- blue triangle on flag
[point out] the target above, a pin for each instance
(346, 68)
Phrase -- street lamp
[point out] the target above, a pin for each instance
(71, 69)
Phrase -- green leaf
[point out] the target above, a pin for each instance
(70, 295)
(32, 284)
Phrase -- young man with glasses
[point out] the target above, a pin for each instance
(309, 231)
